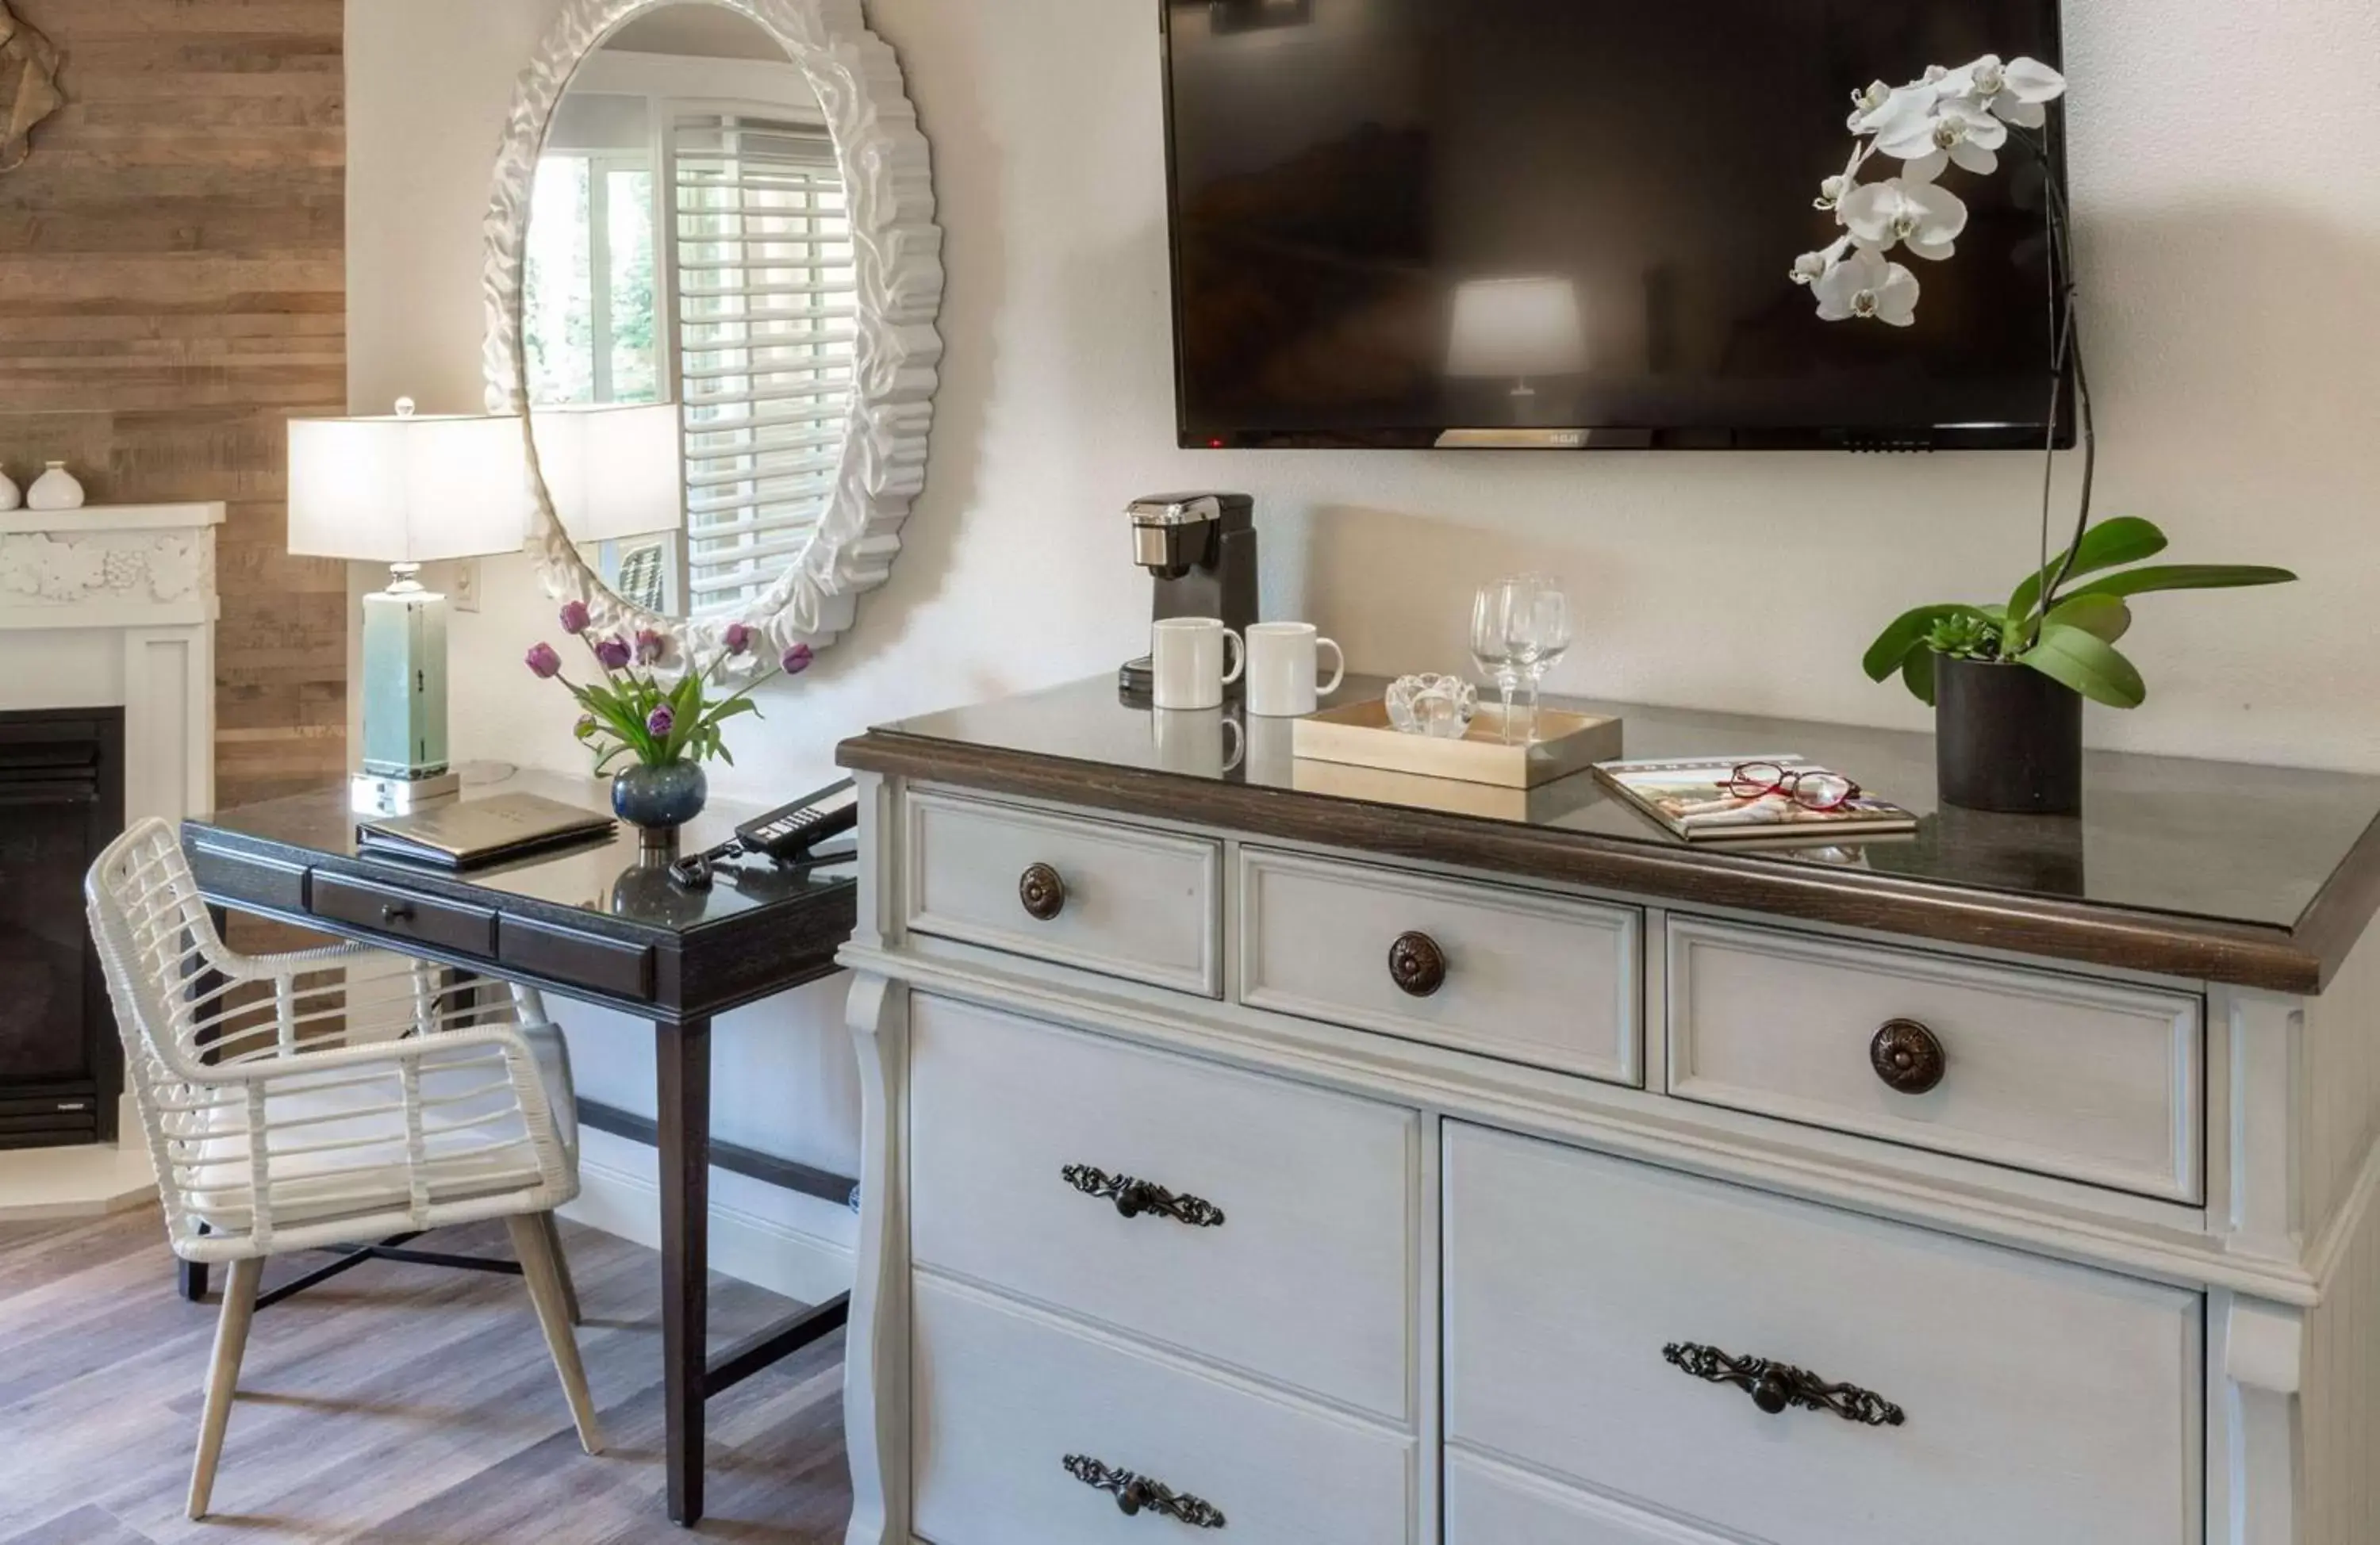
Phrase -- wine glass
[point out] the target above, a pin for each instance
(1540, 629)
(1494, 646)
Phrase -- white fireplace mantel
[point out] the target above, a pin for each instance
(113, 607)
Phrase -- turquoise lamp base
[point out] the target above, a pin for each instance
(404, 685)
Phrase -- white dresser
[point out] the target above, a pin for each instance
(1255, 1163)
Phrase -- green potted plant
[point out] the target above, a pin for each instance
(2007, 681)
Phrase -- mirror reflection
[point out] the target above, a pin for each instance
(687, 313)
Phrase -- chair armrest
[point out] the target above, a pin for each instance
(237, 968)
(412, 1048)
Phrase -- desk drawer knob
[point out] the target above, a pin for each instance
(1136, 1495)
(1135, 1198)
(393, 913)
(1779, 1387)
(1417, 965)
(1907, 1057)
(1043, 891)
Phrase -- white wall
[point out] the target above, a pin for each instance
(2230, 201)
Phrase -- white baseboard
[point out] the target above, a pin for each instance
(619, 1194)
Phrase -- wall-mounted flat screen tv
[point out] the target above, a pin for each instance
(1415, 223)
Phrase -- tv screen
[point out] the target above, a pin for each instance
(1414, 223)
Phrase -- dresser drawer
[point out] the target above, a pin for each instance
(1109, 898)
(2042, 1401)
(2094, 1080)
(1488, 1503)
(1006, 1397)
(401, 914)
(1521, 974)
(1289, 1251)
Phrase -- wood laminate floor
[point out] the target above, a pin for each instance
(398, 1403)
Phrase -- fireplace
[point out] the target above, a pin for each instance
(61, 802)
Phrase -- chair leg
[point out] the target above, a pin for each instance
(553, 1223)
(223, 1376)
(534, 1245)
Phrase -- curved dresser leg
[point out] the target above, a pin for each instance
(876, 1354)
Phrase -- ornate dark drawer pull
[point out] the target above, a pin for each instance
(1136, 1495)
(1132, 1196)
(1776, 1387)
(1043, 891)
(395, 911)
(1907, 1057)
(1417, 965)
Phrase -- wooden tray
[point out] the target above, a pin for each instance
(1360, 735)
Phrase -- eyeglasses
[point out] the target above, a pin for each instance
(1809, 788)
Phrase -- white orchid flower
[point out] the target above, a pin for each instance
(1928, 218)
(1832, 192)
(1865, 285)
(1956, 130)
(1900, 105)
(2015, 93)
(1811, 267)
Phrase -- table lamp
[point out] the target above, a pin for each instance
(1516, 328)
(405, 491)
(614, 472)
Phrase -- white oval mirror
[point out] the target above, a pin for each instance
(714, 274)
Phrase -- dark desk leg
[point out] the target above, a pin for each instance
(205, 988)
(684, 1054)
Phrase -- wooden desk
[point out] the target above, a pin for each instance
(597, 926)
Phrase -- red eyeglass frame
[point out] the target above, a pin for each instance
(1756, 780)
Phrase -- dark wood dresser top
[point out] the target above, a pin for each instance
(2247, 876)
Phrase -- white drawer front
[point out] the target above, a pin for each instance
(1308, 1280)
(2097, 1081)
(1006, 1395)
(1533, 978)
(1488, 1503)
(1138, 904)
(2043, 1402)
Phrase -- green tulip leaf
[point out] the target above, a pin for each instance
(2108, 545)
(2185, 577)
(2105, 618)
(2091, 666)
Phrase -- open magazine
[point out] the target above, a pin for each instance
(1700, 801)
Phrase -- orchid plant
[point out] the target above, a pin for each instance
(1966, 117)
(637, 710)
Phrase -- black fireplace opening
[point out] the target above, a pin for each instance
(61, 802)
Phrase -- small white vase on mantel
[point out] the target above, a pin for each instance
(10, 498)
(54, 489)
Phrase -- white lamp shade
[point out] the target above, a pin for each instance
(613, 472)
(408, 489)
(1517, 328)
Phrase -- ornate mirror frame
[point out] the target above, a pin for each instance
(897, 246)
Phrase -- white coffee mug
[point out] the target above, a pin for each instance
(1282, 661)
(1186, 657)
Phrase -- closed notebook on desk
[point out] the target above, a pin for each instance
(468, 833)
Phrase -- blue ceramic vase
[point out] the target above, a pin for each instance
(659, 800)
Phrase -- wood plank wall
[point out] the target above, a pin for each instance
(172, 286)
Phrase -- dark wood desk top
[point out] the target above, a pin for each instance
(594, 922)
(2253, 876)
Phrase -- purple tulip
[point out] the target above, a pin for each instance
(797, 660)
(612, 653)
(575, 618)
(661, 721)
(544, 663)
(739, 639)
(651, 646)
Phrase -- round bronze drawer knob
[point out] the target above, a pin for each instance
(1907, 1057)
(1417, 965)
(1043, 893)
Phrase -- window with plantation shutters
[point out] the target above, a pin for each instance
(764, 299)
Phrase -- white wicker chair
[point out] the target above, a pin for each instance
(298, 1102)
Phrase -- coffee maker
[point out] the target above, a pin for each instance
(1202, 550)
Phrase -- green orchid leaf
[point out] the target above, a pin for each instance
(2185, 577)
(1890, 653)
(2092, 666)
(2105, 618)
(1917, 674)
(2108, 545)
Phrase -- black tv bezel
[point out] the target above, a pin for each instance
(1588, 437)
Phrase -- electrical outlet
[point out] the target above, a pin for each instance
(465, 591)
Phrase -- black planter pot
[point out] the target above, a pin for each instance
(2006, 738)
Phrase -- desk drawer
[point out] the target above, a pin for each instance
(467, 930)
(1138, 904)
(1006, 1396)
(1307, 1279)
(581, 959)
(2041, 1401)
(2095, 1080)
(1522, 974)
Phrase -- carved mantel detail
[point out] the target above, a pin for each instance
(103, 568)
